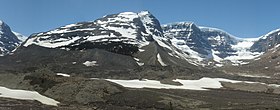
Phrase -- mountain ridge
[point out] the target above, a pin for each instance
(206, 46)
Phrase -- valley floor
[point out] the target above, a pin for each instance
(142, 99)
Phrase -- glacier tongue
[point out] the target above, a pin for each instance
(243, 52)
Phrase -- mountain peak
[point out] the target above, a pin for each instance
(125, 27)
(145, 12)
(8, 40)
(3, 26)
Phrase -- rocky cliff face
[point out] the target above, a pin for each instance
(8, 40)
(267, 41)
(201, 39)
(206, 44)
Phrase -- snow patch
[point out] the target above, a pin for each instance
(160, 60)
(254, 76)
(162, 44)
(90, 63)
(26, 95)
(62, 74)
(215, 57)
(219, 65)
(138, 62)
(141, 50)
(50, 43)
(136, 59)
(204, 83)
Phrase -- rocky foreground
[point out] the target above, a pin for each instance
(78, 93)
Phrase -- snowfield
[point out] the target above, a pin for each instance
(160, 60)
(26, 95)
(204, 83)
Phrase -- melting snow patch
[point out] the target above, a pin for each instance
(90, 63)
(200, 84)
(204, 83)
(162, 44)
(26, 95)
(219, 65)
(62, 74)
(140, 64)
(137, 61)
(141, 50)
(171, 54)
(160, 60)
(216, 57)
(254, 76)
(50, 43)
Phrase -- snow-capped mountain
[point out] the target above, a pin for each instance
(134, 34)
(128, 33)
(132, 29)
(205, 43)
(8, 40)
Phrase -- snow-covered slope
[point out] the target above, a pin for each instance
(21, 37)
(127, 33)
(127, 27)
(26, 95)
(243, 52)
(267, 41)
(8, 40)
(206, 44)
(187, 34)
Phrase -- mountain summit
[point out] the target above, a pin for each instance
(132, 34)
(8, 40)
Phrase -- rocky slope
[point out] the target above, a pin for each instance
(8, 40)
(267, 41)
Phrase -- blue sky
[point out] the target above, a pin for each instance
(242, 18)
